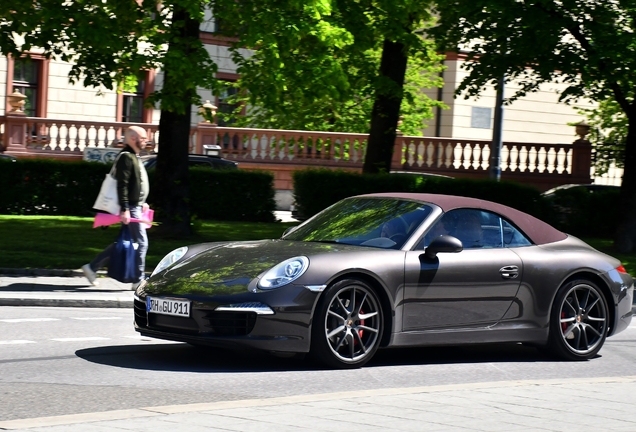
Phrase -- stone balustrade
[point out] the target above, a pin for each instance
(283, 151)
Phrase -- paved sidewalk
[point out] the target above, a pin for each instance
(61, 288)
(603, 404)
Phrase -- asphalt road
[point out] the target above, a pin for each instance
(60, 361)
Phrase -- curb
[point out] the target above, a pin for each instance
(43, 272)
(115, 302)
(123, 304)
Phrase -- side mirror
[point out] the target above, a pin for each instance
(443, 243)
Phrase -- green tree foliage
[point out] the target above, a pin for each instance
(109, 42)
(317, 64)
(588, 45)
(608, 134)
(350, 111)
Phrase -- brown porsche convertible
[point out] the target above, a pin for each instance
(387, 270)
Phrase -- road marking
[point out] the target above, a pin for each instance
(96, 318)
(16, 342)
(18, 320)
(80, 339)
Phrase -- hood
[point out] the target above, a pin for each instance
(229, 268)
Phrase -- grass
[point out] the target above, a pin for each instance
(67, 242)
(58, 242)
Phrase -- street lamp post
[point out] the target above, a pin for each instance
(497, 127)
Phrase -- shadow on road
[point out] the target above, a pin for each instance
(180, 357)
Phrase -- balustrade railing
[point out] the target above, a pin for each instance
(75, 136)
(444, 154)
(285, 146)
(453, 157)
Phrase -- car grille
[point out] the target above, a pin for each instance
(202, 323)
(230, 323)
(140, 313)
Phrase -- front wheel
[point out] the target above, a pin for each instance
(347, 325)
(578, 321)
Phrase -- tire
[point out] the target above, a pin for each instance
(579, 321)
(347, 326)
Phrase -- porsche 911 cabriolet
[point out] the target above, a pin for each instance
(392, 270)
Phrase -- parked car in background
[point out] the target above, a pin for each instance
(7, 157)
(585, 209)
(196, 160)
(591, 188)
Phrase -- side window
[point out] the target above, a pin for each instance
(476, 229)
(468, 226)
(199, 163)
(512, 237)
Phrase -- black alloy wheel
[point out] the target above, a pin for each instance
(348, 325)
(578, 321)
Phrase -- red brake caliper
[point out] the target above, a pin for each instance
(361, 323)
(564, 326)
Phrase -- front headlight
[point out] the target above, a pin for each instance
(170, 259)
(284, 273)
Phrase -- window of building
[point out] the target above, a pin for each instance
(130, 103)
(480, 118)
(26, 80)
(133, 104)
(225, 107)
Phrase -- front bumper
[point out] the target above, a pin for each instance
(212, 322)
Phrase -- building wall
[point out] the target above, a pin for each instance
(537, 117)
(3, 87)
(76, 102)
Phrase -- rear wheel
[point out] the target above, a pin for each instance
(347, 326)
(578, 321)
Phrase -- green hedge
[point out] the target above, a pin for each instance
(315, 189)
(236, 195)
(54, 187)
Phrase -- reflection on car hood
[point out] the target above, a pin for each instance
(228, 268)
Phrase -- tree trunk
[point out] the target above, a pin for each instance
(625, 240)
(172, 181)
(386, 108)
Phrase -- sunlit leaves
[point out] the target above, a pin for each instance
(107, 42)
(587, 44)
(608, 134)
(316, 64)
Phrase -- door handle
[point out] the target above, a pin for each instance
(509, 272)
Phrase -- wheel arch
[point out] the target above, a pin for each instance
(605, 289)
(383, 296)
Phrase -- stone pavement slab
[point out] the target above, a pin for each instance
(604, 404)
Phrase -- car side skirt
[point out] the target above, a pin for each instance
(503, 332)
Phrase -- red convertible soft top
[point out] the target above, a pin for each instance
(538, 231)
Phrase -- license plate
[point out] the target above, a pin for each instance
(164, 306)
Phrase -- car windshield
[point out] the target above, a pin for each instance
(375, 222)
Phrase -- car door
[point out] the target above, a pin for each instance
(474, 287)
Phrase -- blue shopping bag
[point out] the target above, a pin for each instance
(122, 265)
